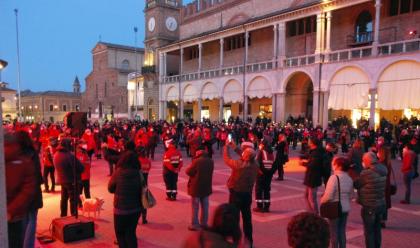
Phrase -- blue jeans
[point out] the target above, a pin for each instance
(338, 231)
(372, 226)
(203, 202)
(29, 228)
(408, 177)
(311, 199)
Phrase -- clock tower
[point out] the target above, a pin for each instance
(161, 28)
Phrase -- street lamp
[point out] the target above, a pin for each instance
(3, 64)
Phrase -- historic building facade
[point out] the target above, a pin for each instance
(106, 93)
(320, 59)
(8, 102)
(50, 105)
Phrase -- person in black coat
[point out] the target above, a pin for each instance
(64, 163)
(313, 162)
(127, 184)
(282, 149)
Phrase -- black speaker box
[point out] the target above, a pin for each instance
(77, 121)
(68, 229)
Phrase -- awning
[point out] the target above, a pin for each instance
(232, 92)
(190, 94)
(349, 89)
(172, 94)
(259, 88)
(399, 86)
(210, 92)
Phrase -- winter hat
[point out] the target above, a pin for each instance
(248, 154)
(246, 144)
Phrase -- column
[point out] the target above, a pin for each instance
(222, 41)
(326, 95)
(372, 93)
(200, 106)
(328, 33)
(281, 46)
(245, 113)
(200, 48)
(181, 63)
(320, 21)
(162, 110)
(161, 65)
(221, 104)
(164, 68)
(181, 110)
(280, 107)
(246, 46)
(275, 42)
(274, 107)
(315, 108)
(378, 6)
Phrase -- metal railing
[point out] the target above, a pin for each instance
(349, 54)
(300, 61)
(406, 46)
(226, 71)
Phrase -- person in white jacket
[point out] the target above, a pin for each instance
(340, 166)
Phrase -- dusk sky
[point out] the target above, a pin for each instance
(57, 36)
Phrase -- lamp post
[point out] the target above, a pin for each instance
(18, 66)
(135, 76)
(3, 206)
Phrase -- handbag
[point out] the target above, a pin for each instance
(147, 198)
(393, 185)
(332, 210)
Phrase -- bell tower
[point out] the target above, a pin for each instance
(162, 19)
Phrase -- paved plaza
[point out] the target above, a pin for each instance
(168, 221)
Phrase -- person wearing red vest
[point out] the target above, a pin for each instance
(267, 168)
(90, 142)
(47, 162)
(145, 165)
(83, 157)
(172, 164)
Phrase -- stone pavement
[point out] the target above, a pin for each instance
(168, 221)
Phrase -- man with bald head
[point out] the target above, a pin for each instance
(371, 191)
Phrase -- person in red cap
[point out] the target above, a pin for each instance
(172, 164)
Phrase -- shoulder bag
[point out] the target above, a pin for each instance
(332, 210)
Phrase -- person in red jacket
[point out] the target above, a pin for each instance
(48, 163)
(83, 156)
(172, 164)
(145, 166)
(408, 170)
(21, 184)
(90, 142)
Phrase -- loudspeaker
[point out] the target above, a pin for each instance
(68, 229)
(77, 121)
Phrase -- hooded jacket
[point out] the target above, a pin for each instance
(64, 162)
(201, 175)
(371, 184)
(244, 170)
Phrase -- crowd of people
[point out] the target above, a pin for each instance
(128, 147)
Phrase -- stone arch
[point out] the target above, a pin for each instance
(349, 81)
(299, 95)
(398, 85)
(232, 91)
(209, 91)
(259, 87)
(172, 94)
(189, 93)
(291, 74)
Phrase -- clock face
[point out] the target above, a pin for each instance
(171, 24)
(151, 24)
